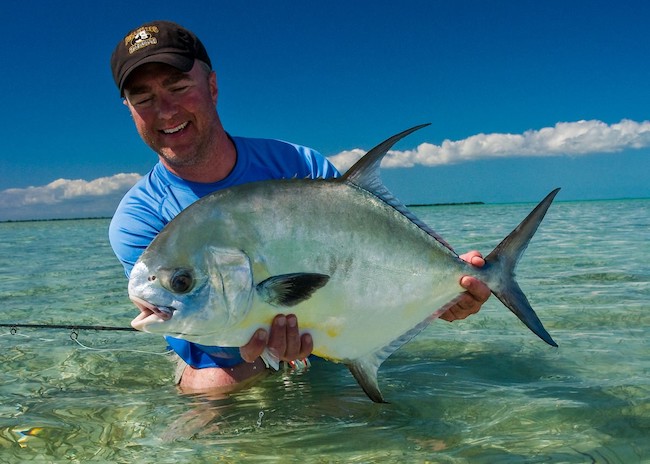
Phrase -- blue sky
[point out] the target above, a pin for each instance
(523, 96)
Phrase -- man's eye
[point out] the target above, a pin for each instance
(141, 101)
(180, 89)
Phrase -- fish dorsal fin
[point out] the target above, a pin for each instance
(365, 174)
(290, 289)
(365, 369)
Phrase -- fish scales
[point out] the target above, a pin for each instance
(390, 263)
(360, 271)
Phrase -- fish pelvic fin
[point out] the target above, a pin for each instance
(502, 261)
(290, 289)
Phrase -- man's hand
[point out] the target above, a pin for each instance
(477, 292)
(283, 340)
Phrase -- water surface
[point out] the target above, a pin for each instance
(480, 390)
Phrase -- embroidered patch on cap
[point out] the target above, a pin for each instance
(141, 38)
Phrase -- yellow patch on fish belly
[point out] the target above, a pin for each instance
(333, 326)
(323, 333)
(333, 332)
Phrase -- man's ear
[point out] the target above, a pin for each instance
(214, 88)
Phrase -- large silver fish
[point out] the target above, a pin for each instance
(360, 271)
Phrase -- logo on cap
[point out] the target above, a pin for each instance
(141, 38)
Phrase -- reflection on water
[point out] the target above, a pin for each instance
(480, 390)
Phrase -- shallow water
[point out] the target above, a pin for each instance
(480, 390)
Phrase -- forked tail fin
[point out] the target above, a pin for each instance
(500, 265)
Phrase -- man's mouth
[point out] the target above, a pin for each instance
(174, 130)
(150, 313)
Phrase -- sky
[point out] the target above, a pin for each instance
(522, 96)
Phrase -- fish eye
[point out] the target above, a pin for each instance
(181, 281)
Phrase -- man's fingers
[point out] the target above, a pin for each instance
(255, 347)
(283, 341)
(292, 348)
(474, 257)
(464, 306)
(469, 302)
(306, 346)
(476, 289)
(278, 337)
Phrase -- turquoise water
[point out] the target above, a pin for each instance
(480, 390)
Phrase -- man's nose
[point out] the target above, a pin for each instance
(166, 107)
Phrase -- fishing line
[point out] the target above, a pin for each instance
(14, 327)
(14, 334)
(74, 335)
(113, 350)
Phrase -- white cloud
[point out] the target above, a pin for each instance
(66, 198)
(565, 138)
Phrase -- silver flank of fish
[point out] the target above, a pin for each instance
(360, 271)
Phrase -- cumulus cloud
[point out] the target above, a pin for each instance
(565, 138)
(66, 198)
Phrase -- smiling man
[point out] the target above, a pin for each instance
(165, 75)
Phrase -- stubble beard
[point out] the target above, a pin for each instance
(194, 159)
(198, 156)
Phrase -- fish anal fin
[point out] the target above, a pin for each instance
(290, 289)
(365, 369)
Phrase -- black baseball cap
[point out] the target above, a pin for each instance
(156, 42)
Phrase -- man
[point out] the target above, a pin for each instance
(165, 76)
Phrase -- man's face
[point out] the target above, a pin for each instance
(174, 112)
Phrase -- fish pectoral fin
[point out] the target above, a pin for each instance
(290, 289)
(364, 371)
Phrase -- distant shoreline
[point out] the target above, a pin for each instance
(414, 205)
(410, 205)
(54, 219)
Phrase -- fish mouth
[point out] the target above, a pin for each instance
(150, 313)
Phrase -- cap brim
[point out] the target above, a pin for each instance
(180, 62)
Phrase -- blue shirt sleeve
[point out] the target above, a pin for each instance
(201, 356)
(131, 230)
(159, 196)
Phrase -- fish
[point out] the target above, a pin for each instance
(360, 271)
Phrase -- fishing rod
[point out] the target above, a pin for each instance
(13, 328)
(74, 334)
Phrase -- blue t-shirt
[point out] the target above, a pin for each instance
(160, 195)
